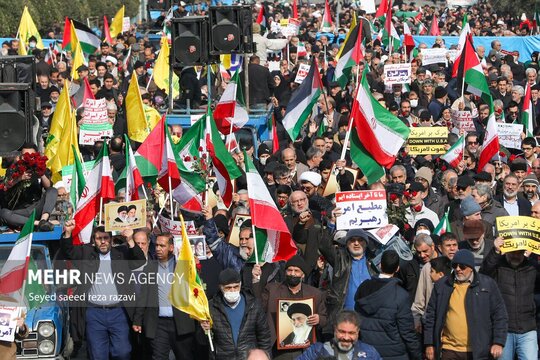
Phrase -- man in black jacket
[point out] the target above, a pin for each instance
(107, 323)
(239, 320)
(517, 278)
(385, 310)
(165, 326)
(466, 315)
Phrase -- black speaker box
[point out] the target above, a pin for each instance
(190, 41)
(231, 30)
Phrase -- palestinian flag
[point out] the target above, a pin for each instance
(223, 164)
(526, 114)
(272, 133)
(15, 268)
(408, 40)
(465, 33)
(274, 242)
(347, 57)
(261, 18)
(169, 176)
(90, 42)
(133, 175)
(382, 9)
(302, 101)
(381, 133)
(230, 113)
(422, 29)
(99, 185)
(443, 226)
(326, 25)
(455, 154)
(390, 36)
(84, 92)
(434, 29)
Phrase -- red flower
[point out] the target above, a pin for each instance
(196, 292)
(406, 226)
(443, 168)
(201, 148)
(512, 157)
(502, 154)
(194, 158)
(198, 266)
(187, 158)
(393, 197)
(203, 156)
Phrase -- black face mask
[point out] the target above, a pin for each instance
(292, 280)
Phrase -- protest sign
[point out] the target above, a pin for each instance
(68, 170)
(519, 233)
(510, 135)
(453, 54)
(385, 233)
(95, 123)
(434, 56)
(463, 120)
(175, 227)
(368, 6)
(291, 315)
(8, 324)
(303, 70)
(125, 24)
(397, 74)
(198, 245)
(428, 140)
(125, 215)
(361, 209)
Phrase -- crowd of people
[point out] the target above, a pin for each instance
(424, 294)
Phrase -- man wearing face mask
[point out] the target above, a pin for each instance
(293, 288)
(239, 320)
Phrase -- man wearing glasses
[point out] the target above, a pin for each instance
(471, 141)
(466, 316)
(527, 145)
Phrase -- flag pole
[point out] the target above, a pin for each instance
(171, 198)
(255, 243)
(230, 132)
(346, 141)
(160, 211)
(100, 209)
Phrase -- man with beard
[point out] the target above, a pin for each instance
(477, 239)
(466, 317)
(302, 331)
(293, 288)
(510, 198)
(345, 344)
(530, 188)
(516, 276)
(471, 143)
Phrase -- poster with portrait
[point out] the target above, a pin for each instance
(332, 185)
(198, 245)
(131, 215)
(234, 234)
(293, 331)
(8, 324)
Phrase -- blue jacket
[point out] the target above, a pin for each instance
(361, 351)
(226, 254)
(487, 319)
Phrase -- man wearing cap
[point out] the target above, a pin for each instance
(46, 115)
(466, 317)
(82, 72)
(417, 209)
(293, 288)
(432, 200)
(436, 105)
(345, 343)
(309, 183)
(519, 168)
(514, 203)
(530, 188)
(239, 320)
(351, 267)
(385, 312)
(516, 276)
(477, 238)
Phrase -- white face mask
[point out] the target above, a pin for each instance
(231, 296)
(414, 102)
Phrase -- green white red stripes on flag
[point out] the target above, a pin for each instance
(465, 32)
(379, 131)
(302, 101)
(223, 164)
(230, 112)
(443, 226)
(526, 112)
(274, 241)
(455, 154)
(382, 9)
(326, 25)
(133, 175)
(168, 176)
(408, 40)
(99, 185)
(272, 133)
(78, 183)
(15, 268)
(346, 56)
(490, 146)
(370, 168)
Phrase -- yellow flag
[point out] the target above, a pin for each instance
(161, 70)
(351, 28)
(152, 117)
(138, 128)
(27, 29)
(22, 47)
(62, 134)
(187, 293)
(117, 23)
(76, 53)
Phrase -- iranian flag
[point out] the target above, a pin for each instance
(272, 132)
(381, 133)
(302, 101)
(78, 183)
(326, 25)
(443, 226)
(526, 114)
(490, 147)
(106, 30)
(361, 157)
(301, 49)
(169, 176)
(390, 36)
(223, 164)
(422, 30)
(99, 185)
(408, 40)
(230, 113)
(133, 175)
(382, 9)
(15, 268)
(455, 154)
(347, 56)
(274, 242)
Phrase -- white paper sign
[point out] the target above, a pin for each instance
(397, 74)
(385, 233)
(95, 111)
(463, 120)
(95, 122)
(303, 70)
(510, 135)
(175, 227)
(368, 6)
(126, 24)
(361, 209)
(8, 324)
(89, 136)
(292, 28)
(434, 56)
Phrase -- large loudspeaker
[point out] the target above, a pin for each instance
(190, 41)
(16, 114)
(230, 30)
(18, 69)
